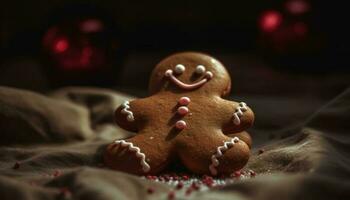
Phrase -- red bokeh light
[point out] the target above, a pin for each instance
(73, 50)
(61, 45)
(78, 45)
(91, 26)
(270, 20)
(297, 7)
(300, 28)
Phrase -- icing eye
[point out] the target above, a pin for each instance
(179, 69)
(200, 69)
(209, 75)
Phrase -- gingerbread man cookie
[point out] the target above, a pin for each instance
(185, 119)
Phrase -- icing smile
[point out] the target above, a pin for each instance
(180, 69)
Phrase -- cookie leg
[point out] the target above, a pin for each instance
(224, 155)
(244, 135)
(137, 156)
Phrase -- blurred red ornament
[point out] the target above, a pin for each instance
(270, 20)
(297, 7)
(61, 45)
(91, 26)
(77, 45)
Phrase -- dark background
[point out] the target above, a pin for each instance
(287, 48)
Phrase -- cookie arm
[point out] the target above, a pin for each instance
(240, 116)
(125, 116)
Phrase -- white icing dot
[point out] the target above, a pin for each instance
(168, 73)
(209, 75)
(151, 138)
(179, 69)
(200, 69)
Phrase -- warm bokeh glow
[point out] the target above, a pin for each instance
(297, 7)
(270, 20)
(61, 45)
(91, 26)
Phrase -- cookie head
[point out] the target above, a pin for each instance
(190, 71)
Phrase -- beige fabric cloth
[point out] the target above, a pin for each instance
(58, 140)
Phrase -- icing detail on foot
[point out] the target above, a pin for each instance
(242, 107)
(125, 110)
(139, 154)
(219, 153)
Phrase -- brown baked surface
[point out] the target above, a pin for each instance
(209, 120)
(39, 158)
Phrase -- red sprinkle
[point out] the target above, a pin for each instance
(195, 186)
(16, 165)
(150, 190)
(56, 173)
(179, 186)
(205, 177)
(237, 174)
(185, 177)
(208, 180)
(171, 195)
(209, 184)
